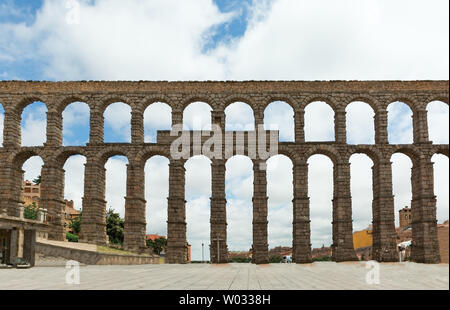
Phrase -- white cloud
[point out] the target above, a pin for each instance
(280, 116)
(32, 168)
(116, 180)
(139, 40)
(74, 180)
(239, 193)
(320, 191)
(438, 122)
(351, 39)
(319, 122)
(34, 125)
(118, 120)
(280, 193)
(197, 116)
(157, 116)
(400, 127)
(156, 193)
(441, 180)
(361, 191)
(360, 123)
(75, 115)
(239, 116)
(401, 183)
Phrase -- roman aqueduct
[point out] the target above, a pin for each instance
(16, 95)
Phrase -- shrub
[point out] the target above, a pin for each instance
(240, 260)
(71, 237)
(275, 259)
(31, 211)
(325, 258)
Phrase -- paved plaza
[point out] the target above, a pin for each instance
(319, 275)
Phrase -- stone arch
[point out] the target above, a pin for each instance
(285, 134)
(372, 102)
(372, 153)
(18, 158)
(320, 98)
(197, 98)
(61, 157)
(410, 101)
(439, 97)
(328, 151)
(144, 155)
(282, 97)
(24, 102)
(105, 102)
(66, 101)
(111, 151)
(239, 98)
(411, 152)
(149, 100)
(440, 149)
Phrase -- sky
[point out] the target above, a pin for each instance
(232, 40)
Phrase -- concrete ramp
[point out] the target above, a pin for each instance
(89, 254)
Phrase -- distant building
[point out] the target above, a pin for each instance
(188, 253)
(153, 237)
(70, 213)
(404, 216)
(362, 243)
(443, 241)
(31, 193)
(321, 252)
(280, 251)
(239, 254)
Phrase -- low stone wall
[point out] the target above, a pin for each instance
(94, 258)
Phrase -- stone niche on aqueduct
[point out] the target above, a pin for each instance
(16, 95)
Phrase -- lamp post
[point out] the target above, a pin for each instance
(202, 252)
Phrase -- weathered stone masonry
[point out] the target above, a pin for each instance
(15, 95)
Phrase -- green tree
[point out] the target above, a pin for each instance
(158, 244)
(114, 227)
(31, 211)
(275, 259)
(37, 180)
(75, 225)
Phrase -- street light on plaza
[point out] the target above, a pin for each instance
(202, 252)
